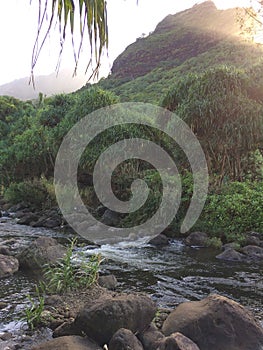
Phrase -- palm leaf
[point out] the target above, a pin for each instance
(92, 18)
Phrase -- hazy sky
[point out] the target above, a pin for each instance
(127, 21)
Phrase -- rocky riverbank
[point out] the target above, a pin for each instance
(92, 318)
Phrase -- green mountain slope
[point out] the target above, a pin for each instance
(190, 41)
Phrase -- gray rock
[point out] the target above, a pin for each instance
(28, 219)
(106, 315)
(231, 255)
(110, 218)
(4, 250)
(198, 239)
(44, 250)
(110, 282)
(159, 241)
(217, 323)
(232, 245)
(3, 305)
(124, 339)
(253, 252)
(8, 265)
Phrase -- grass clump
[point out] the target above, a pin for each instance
(66, 276)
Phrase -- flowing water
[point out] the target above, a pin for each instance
(171, 275)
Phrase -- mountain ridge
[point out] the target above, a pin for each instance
(189, 41)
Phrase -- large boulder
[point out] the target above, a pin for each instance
(103, 317)
(177, 341)
(44, 250)
(68, 343)
(124, 339)
(198, 239)
(253, 252)
(217, 323)
(8, 265)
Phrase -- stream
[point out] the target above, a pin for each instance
(171, 275)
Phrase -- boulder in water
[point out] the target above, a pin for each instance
(44, 250)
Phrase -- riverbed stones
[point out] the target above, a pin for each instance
(124, 339)
(177, 341)
(197, 239)
(68, 343)
(44, 250)
(253, 252)
(217, 323)
(102, 318)
(28, 219)
(231, 255)
(8, 265)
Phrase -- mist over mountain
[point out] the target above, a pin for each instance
(47, 84)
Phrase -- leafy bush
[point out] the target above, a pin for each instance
(32, 193)
(235, 209)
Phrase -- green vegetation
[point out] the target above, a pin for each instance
(212, 80)
(64, 277)
(67, 276)
(33, 313)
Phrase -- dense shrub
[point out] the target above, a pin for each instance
(235, 209)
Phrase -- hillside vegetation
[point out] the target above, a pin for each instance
(211, 78)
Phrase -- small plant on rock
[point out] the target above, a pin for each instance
(67, 276)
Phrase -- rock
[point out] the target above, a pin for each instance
(6, 336)
(53, 300)
(66, 328)
(3, 305)
(44, 250)
(8, 265)
(52, 222)
(197, 239)
(110, 218)
(253, 252)
(124, 339)
(232, 245)
(217, 323)
(151, 338)
(177, 341)
(253, 238)
(231, 255)
(17, 207)
(4, 250)
(68, 343)
(28, 219)
(110, 282)
(106, 315)
(160, 240)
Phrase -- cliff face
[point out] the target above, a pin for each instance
(176, 39)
